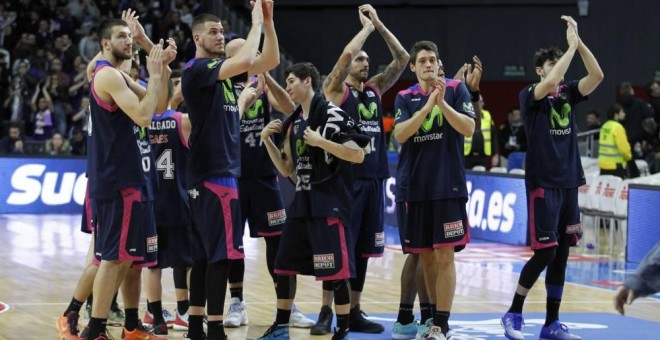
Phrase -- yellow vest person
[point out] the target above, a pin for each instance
(614, 150)
(486, 126)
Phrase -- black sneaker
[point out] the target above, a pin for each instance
(340, 334)
(189, 337)
(358, 323)
(324, 323)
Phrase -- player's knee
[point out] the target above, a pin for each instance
(545, 255)
(342, 292)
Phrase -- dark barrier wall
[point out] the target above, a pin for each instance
(622, 34)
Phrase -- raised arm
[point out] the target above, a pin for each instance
(333, 86)
(282, 159)
(110, 83)
(383, 81)
(277, 96)
(460, 122)
(244, 59)
(554, 77)
(594, 74)
(270, 56)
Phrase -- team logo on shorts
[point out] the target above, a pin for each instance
(574, 229)
(152, 244)
(380, 239)
(454, 229)
(324, 261)
(276, 217)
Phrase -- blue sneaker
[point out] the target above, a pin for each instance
(424, 328)
(513, 324)
(276, 332)
(405, 332)
(557, 331)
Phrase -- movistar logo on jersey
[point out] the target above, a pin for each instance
(255, 110)
(562, 120)
(213, 63)
(435, 115)
(142, 133)
(369, 113)
(301, 147)
(228, 89)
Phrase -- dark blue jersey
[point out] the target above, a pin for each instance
(255, 161)
(366, 108)
(170, 150)
(553, 160)
(435, 151)
(215, 149)
(402, 173)
(119, 153)
(328, 198)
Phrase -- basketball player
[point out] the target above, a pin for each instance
(553, 174)
(214, 157)
(349, 87)
(320, 139)
(432, 118)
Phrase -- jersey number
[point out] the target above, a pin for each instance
(164, 163)
(251, 139)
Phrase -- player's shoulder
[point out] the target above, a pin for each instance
(409, 92)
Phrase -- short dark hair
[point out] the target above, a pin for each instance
(423, 45)
(625, 88)
(304, 70)
(594, 112)
(649, 86)
(513, 109)
(613, 109)
(544, 54)
(201, 19)
(105, 29)
(175, 74)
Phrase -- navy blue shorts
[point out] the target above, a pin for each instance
(315, 246)
(216, 216)
(366, 227)
(402, 221)
(262, 206)
(88, 223)
(174, 246)
(553, 212)
(125, 229)
(436, 224)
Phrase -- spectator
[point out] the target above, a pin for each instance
(89, 46)
(81, 9)
(176, 25)
(229, 34)
(512, 136)
(481, 148)
(66, 52)
(44, 36)
(59, 96)
(78, 142)
(6, 21)
(42, 117)
(58, 145)
(593, 120)
(56, 68)
(636, 112)
(653, 91)
(16, 102)
(12, 143)
(79, 119)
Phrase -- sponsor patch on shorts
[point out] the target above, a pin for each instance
(574, 229)
(454, 229)
(324, 261)
(152, 244)
(380, 239)
(276, 217)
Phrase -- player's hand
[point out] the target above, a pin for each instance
(134, 25)
(373, 16)
(267, 9)
(431, 102)
(313, 137)
(441, 86)
(275, 126)
(155, 60)
(169, 54)
(570, 22)
(474, 73)
(364, 20)
(623, 295)
(571, 32)
(261, 83)
(257, 12)
(247, 98)
(460, 74)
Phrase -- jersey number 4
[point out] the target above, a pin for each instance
(164, 163)
(253, 138)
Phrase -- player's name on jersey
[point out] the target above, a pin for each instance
(163, 125)
(159, 139)
(256, 124)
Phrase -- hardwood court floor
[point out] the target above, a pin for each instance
(42, 256)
